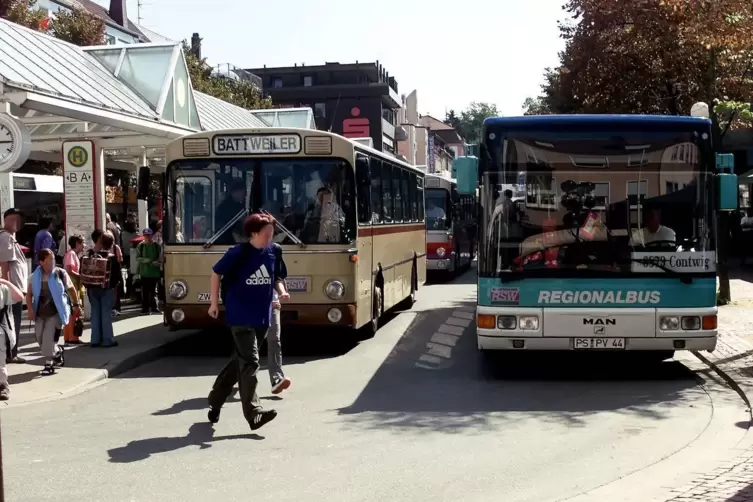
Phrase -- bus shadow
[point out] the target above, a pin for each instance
(210, 349)
(434, 380)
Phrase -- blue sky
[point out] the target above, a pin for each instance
(492, 51)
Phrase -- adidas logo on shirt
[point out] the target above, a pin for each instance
(260, 277)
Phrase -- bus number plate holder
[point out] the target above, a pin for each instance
(599, 343)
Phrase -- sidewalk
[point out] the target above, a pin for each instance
(141, 339)
(733, 357)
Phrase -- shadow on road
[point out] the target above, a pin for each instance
(199, 434)
(465, 390)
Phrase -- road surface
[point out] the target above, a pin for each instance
(412, 414)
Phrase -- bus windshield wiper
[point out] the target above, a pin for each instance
(649, 262)
(210, 242)
(285, 230)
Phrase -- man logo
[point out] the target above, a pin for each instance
(598, 330)
(259, 278)
(78, 156)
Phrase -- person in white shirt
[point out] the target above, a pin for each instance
(434, 211)
(653, 231)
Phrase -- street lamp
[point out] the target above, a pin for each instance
(700, 110)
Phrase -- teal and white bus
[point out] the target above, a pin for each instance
(614, 244)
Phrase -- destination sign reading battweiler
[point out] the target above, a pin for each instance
(253, 144)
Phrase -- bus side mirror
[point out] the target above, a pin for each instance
(726, 182)
(465, 170)
(363, 174)
(143, 183)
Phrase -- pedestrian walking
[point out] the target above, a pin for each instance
(100, 274)
(9, 296)
(274, 350)
(72, 264)
(43, 239)
(149, 256)
(246, 278)
(50, 300)
(15, 270)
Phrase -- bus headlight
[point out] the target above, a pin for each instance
(669, 323)
(334, 290)
(441, 252)
(178, 290)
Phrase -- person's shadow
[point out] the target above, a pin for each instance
(200, 434)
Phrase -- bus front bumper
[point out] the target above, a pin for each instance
(491, 342)
(438, 264)
(196, 315)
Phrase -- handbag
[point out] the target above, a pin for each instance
(78, 327)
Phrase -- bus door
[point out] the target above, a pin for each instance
(368, 179)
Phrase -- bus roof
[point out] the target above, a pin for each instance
(628, 121)
(303, 132)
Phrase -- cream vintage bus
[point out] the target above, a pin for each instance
(350, 222)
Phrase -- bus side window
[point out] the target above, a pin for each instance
(376, 191)
(364, 182)
(397, 197)
(387, 212)
(410, 179)
(420, 197)
(404, 182)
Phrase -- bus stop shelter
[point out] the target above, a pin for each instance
(131, 100)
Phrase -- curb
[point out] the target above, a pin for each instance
(104, 374)
(728, 380)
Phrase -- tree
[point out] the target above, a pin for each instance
(24, 12)
(78, 27)
(238, 92)
(535, 106)
(653, 57)
(472, 119)
(452, 120)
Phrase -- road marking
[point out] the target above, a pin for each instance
(458, 322)
(438, 352)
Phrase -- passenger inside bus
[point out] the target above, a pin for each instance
(325, 221)
(229, 209)
(433, 211)
(653, 231)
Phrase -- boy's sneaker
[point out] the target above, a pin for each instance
(281, 385)
(4, 392)
(213, 415)
(262, 418)
(48, 370)
(60, 356)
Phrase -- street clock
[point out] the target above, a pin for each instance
(15, 143)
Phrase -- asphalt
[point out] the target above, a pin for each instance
(412, 414)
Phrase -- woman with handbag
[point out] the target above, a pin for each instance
(75, 327)
(50, 299)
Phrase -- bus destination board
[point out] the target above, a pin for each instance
(256, 144)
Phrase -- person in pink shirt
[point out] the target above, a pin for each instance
(72, 265)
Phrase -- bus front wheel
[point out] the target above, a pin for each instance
(377, 308)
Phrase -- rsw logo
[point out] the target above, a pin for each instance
(259, 278)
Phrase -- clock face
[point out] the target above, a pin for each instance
(6, 143)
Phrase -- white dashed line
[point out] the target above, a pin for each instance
(439, 349)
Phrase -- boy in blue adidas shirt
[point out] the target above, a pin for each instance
(249, 273)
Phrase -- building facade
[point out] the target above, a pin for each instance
(357, 100)
(444, 145)
(414, 148)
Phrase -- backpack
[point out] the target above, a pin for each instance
(95, 271)
(60, 274)
(235, 269)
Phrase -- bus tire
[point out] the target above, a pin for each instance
(408, 303)
(377, 309)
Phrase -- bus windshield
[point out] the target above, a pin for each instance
(208, 199)
(437, 209)
(603, 204)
